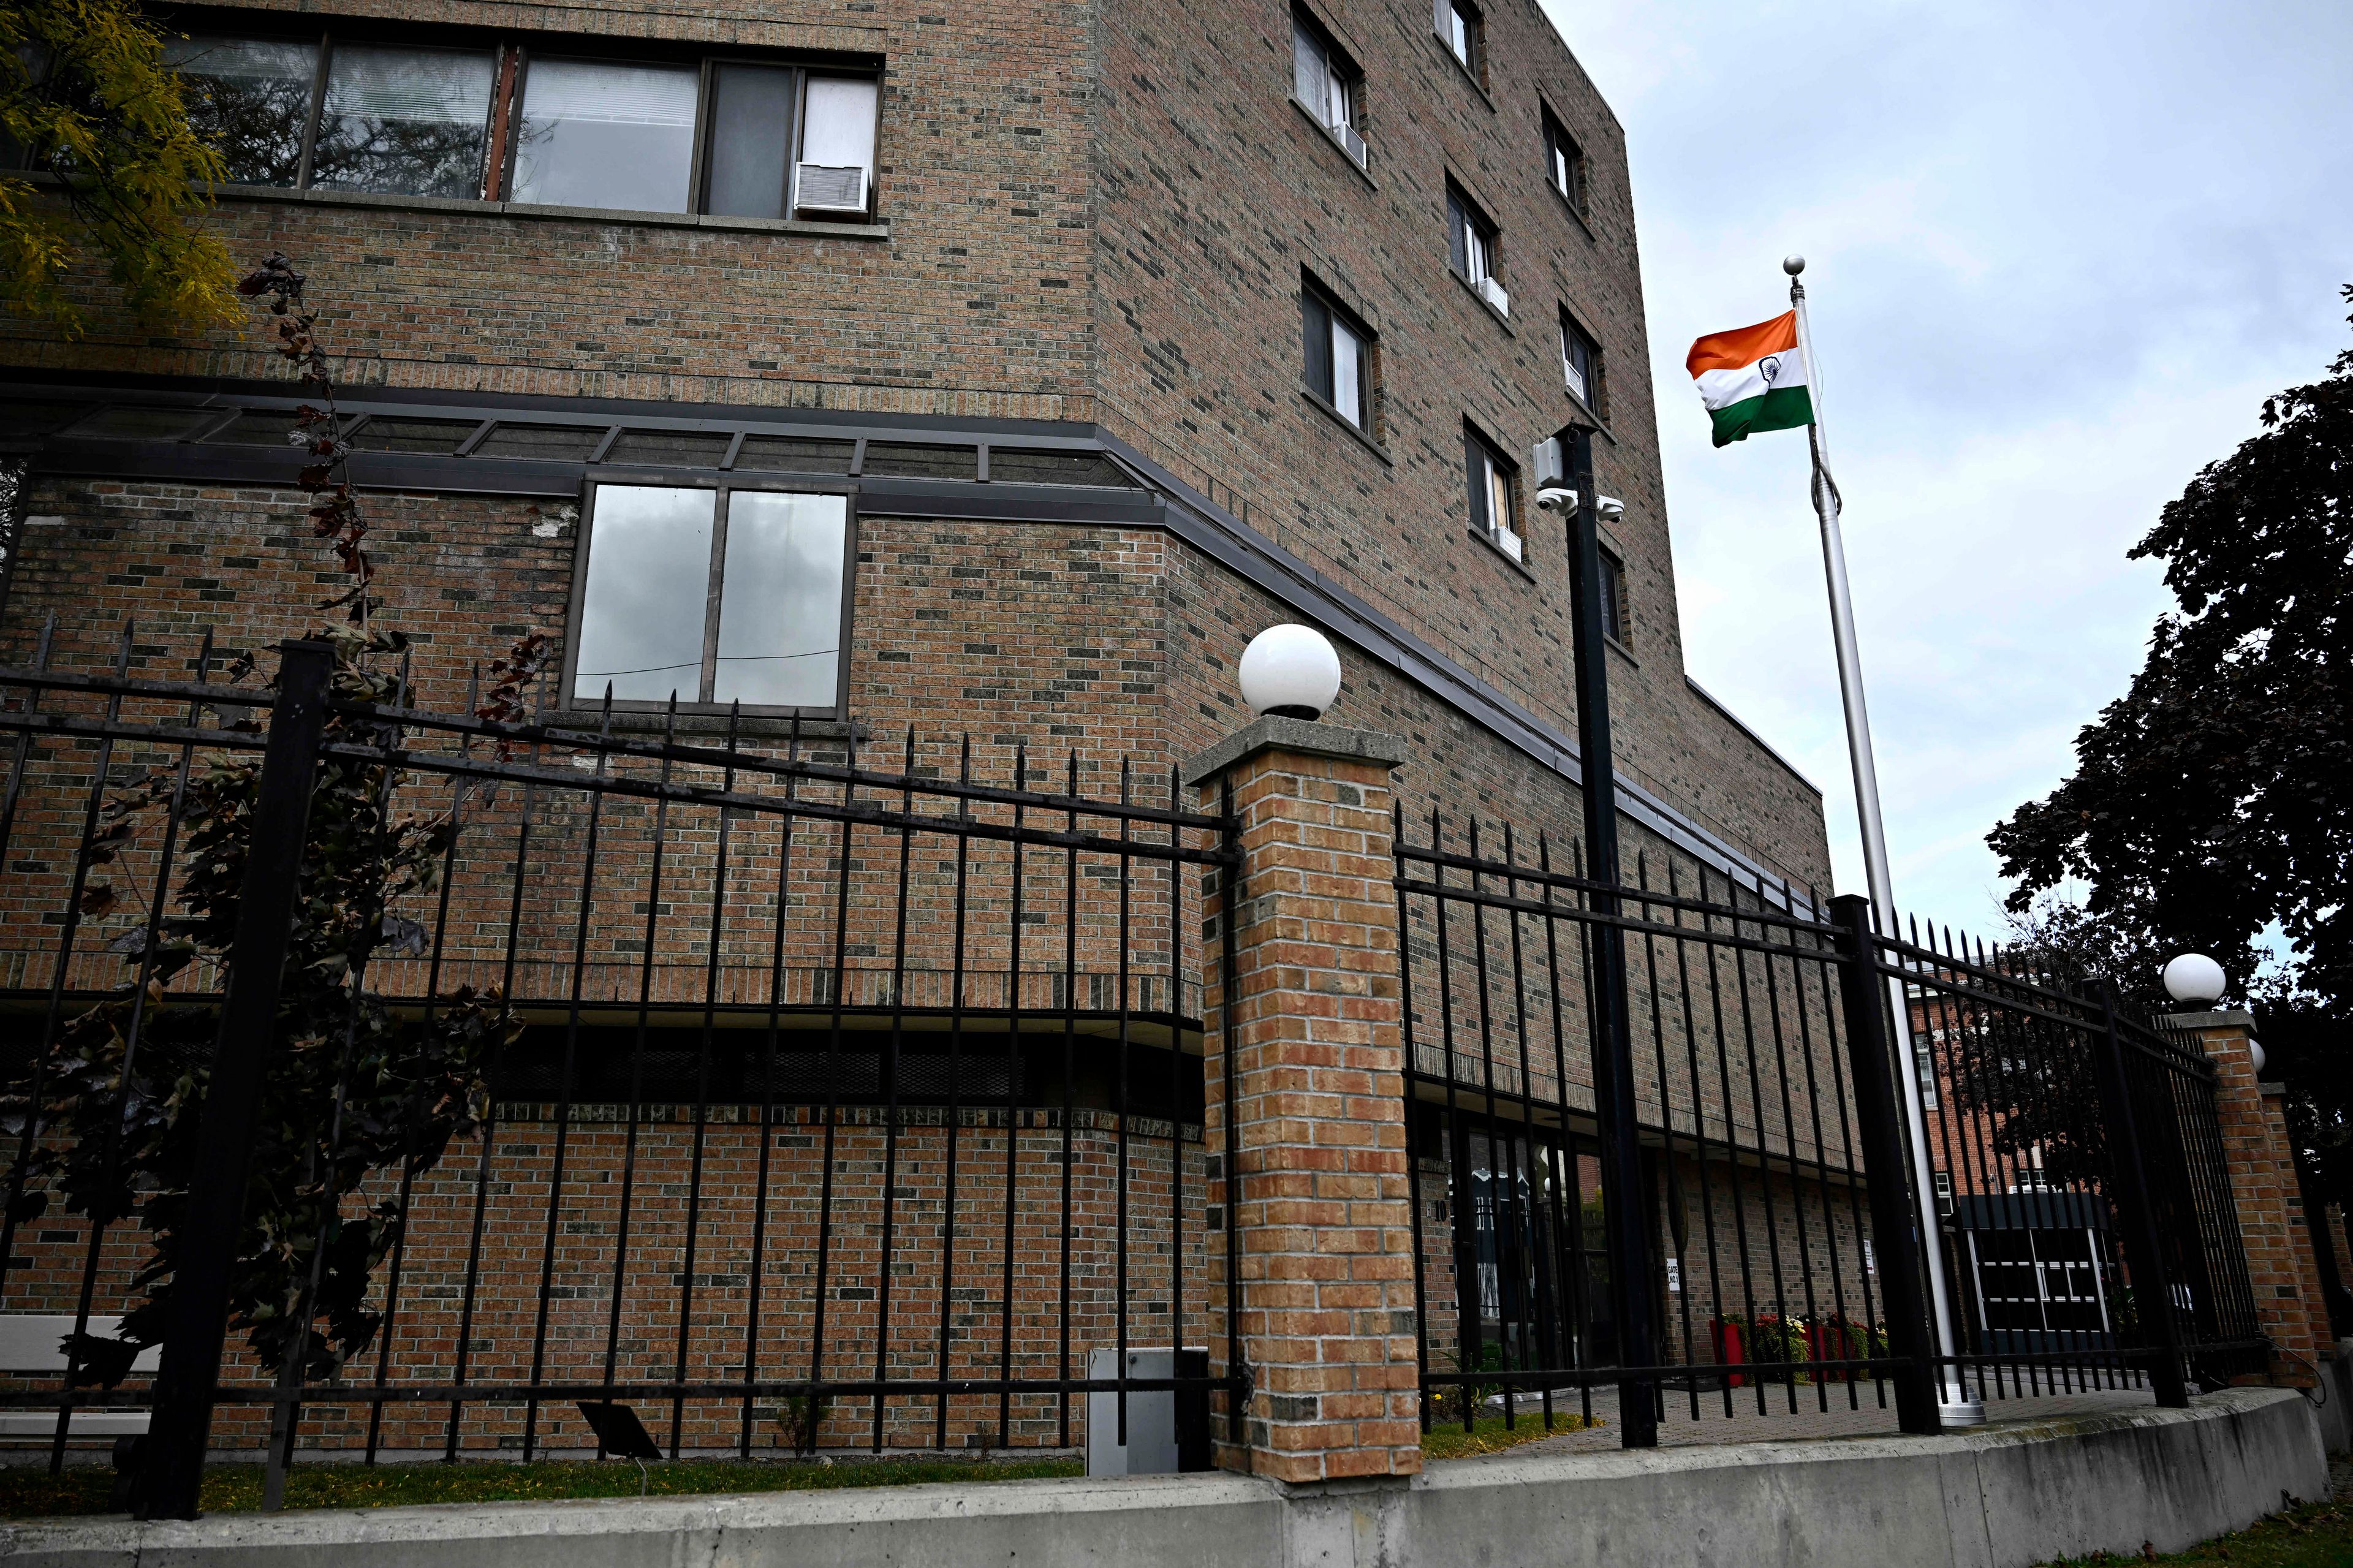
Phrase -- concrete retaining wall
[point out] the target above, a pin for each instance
(1988, 1499)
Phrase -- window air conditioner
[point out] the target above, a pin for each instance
(1508, 543)
(827, 189)
(1353, 143)
(1493, 292)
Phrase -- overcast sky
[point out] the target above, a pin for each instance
(2057, 256)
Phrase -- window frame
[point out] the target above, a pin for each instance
(1339, 67)
(1617, 605)
(1465, 219)
(515, 85)
(1595, 394)
(1564, 149)
(722, 486)
(1474, 37)
(511, 52)
(1314, 296)
(1477, 482)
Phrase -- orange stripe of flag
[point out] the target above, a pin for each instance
(1743, 345)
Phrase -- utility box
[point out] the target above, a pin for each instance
(1167, 1429)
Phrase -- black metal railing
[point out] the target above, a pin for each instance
(845, 1096)
(2079, 1170)
(1777, 1246)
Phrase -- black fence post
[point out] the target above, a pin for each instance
(173, 1461)
(1895, 1219)
(1626, 1212)
(2152, 1285)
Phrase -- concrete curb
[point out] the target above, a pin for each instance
(2004, 1498)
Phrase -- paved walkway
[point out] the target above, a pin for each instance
(1810, 1422)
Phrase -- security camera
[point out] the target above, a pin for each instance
(1556, 497)
(1609, 507)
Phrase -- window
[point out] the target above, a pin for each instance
(1326, 85)
(1613, 600)
(1564, 164)
(251, 98)
(604, 133)
(1493, 516)
(407, 122)
(737, 138)
(1459, 25)
(1339, 359)
(1470, 248)
(718, 596)
(1580, 363)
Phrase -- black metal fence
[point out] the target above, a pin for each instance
(2086, 1241)
(835, 1098)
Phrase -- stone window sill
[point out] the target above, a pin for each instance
(1574, 211)
(1364, 437)
(704, 728)
(1465, 72)
(1501, 320)
(1503, 555)
(572, 214)
(1345, 157)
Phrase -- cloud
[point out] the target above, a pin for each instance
(2057, 256)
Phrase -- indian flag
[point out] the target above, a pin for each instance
(1752, 378)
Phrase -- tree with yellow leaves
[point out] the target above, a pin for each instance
(88, 100)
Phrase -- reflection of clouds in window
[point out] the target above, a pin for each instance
(249, 97)
(405, 121)
(648, 578)
(780, 607)
(599, 135)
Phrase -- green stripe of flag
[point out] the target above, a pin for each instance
(1780, 408)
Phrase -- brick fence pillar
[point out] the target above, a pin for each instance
(2270, 1201)
(1321, 1182)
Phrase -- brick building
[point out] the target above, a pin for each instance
(991, 371)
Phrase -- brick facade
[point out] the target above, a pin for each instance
(1318, 1174)
(2280, 1263)
(1097, 217)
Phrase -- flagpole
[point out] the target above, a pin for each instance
(1954, 1404)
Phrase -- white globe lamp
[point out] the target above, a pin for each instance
(1291, 672)
(2194, 980)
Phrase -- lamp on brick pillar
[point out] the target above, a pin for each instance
(2264, 1190)
(1306, 1087)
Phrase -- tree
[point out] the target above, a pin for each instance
(356, 1090)
(2213, 803)
(86, 95)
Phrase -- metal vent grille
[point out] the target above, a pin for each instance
(824, 188)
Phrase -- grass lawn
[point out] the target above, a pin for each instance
(1449, 1441)
(30, 1492)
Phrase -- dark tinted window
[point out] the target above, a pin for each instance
(1013, 465)
(751, 137)
(899, 459)
(675, 448)
(795, 454)
(414, 435)
(1613, 599)
(144, 423)
(555, 443)
(259, 427)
